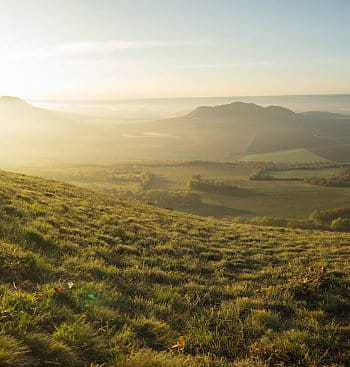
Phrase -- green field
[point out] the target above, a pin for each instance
(305, 173)
(91, 280)
(293, 155)
(257, 198)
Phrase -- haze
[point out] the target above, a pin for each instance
(107, 49)
(174, 183)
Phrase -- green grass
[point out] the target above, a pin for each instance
(258, 198)
(91, 280)
(293, 155)
(304, 173)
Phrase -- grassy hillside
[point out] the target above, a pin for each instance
(90, 280)
(289, 199)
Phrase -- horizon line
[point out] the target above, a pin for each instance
(177, 97)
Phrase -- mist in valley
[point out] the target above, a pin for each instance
(174, 183)
(177, 129)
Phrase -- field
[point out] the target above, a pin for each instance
(293, 155)
(91, 280)
(305, 173)
(290, 199)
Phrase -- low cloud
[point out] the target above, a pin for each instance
(86, 48)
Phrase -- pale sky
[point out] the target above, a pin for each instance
(173, 48)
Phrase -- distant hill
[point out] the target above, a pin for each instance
(92, 280)
(35, 135)
(12, 100)
(227, 132)
(238, 129)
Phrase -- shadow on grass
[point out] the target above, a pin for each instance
(237, 192)
(218, 211)
(160, 182)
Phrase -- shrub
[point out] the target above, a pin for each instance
(198, 183)
(327, 216)
(340, 224)
(342, 179)
(261, 175)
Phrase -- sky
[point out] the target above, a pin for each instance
(106, 49)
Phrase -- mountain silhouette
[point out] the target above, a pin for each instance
(225, 132)
(239, 128)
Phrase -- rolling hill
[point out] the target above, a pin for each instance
(91, 280)
(32, 135)
(238, 129)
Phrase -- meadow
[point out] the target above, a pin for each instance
(142, 226)
(92, 280)
(288, 199)
(290, 155)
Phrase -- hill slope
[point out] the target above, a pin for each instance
(89, 280)
(32, 135)
(235, 129)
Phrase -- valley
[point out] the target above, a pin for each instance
(282, 198)
(92, 280)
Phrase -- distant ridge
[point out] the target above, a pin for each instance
(248, 109)
(232, 130)
(12, 100)
(223, 132)
(234, 107)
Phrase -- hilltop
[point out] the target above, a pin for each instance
(34, 135)
(91, 280)
(251, 109)
(12, 100)
(237, 129)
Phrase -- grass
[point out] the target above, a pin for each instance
(91, 280)
(292, 155)
(305, 173)
(257, 198)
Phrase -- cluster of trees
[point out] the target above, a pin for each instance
(261, 175)
(337, 219)
(117, 178)
(200, 184)
(288, 166)
(146, 179)
(342, 179)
